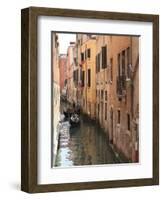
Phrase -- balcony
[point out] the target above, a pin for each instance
(121, 86)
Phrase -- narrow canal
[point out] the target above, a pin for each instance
(85, 144)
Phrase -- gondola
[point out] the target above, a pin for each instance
(74, 120)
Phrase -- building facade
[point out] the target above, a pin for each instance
(102, 80)
(88, 86)
(116, 97)
(135, 100)
(63, 73)
(70, 63)
(56, 93)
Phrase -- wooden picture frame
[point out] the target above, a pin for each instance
(29, 110)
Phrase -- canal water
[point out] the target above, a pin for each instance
(86, 144)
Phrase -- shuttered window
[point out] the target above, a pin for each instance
(89, 78)
(123, 62)
(128, 62)
(82, 56)
(111, 69)
(119, 117)
(104, 57)
(88, 53)
(98, 63)
(119, 65)
(106, 97)
(128, 122)
(83, 78)
(105, 111)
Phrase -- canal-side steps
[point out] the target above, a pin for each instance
(64, 135)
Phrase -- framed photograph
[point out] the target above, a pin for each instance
(90, 99)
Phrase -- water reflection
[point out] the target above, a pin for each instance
(86, 144)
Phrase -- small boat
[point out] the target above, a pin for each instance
(74, 120)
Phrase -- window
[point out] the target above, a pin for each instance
(111, 69)
(128, 122)
(82, 56)
(80, 74)
(98, 108)
(88, 53)
(119, 117)
(128, 62)
(102, 94)
(123, 62)
(104, 57)
(85, 54)
(102, 111)
(89, 106)
(106, 96)
(89, 78)
(75, 76)
(75, 61)
(105, 111)
(98, 63)
(119, 65)
(83, 78)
